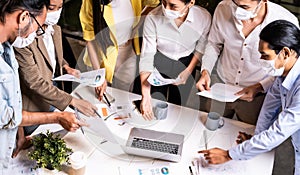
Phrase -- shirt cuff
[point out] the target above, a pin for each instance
(267, 83)
(146, 64)
(234, 154)
(88, 35)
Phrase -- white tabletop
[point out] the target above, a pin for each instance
(108, 158)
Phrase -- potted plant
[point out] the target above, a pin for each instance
(49, 151)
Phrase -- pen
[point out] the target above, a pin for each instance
(191, 171)
(205, 139)
(106, 100)
(83, 99)
(78, 117)
(120, 117)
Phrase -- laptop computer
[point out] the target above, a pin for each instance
(154, 144)
(143, 142)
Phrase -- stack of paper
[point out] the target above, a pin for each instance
(222, 92)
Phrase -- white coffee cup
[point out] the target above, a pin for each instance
(78, 162)
(160, 110)
(214, 121)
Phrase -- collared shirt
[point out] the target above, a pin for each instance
(10, 102)
(49, 44)
(238, 56)
(279, 118)
(124, 21)
(162, 34)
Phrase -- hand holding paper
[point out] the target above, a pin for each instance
(92, 78)
(156, 79)
(222, 92)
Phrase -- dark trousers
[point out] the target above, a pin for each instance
(170, 68)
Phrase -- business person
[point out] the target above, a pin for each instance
(42, 61)
(18, 20)
(232, 43)
(110, 28)
(279, 117)
(174, 38)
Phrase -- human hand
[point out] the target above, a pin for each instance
(183, 76)
(22, 142)
(100, 90)
(243, 137)
(72, 71)
(69, 121)
(146, 108)
(84, 106)
(204, 81)
(216, 155)
(248, 93)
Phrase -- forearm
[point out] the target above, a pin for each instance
(210, 57)
(146, 87)
(194, 62)
(93, 55)
(38, 118)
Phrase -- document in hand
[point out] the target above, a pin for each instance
(156, 79)
(92, 78)
(222, 92)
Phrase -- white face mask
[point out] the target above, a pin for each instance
(53, 17)
(171, 14)
(269, 67)
(22, 42)
(243, 14)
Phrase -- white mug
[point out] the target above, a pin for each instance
(160, 110)
(214, 121)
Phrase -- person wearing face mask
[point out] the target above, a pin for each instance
(174, 38)
(42, 61)
(232, 43)
(279, 117)
(18, 19)
(110, 29)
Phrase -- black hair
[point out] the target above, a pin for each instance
(186, 1)
(281, 33)
(35, 7)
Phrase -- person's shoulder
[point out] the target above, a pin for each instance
(278, 12)
(200, 11)
(156, 11)
(224, 4)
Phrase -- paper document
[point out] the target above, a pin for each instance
(232, 167)
(222, 92)
(160, 170)
(156, 79)
(92, 78)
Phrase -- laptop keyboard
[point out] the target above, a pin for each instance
(155, 145)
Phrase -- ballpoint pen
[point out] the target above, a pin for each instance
(205, 139)
(191, 171)
(78, 117)
(106, 99)
(83, 99)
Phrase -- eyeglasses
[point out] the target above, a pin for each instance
(40, 30)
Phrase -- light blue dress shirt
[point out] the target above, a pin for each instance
(10, 103)
(279, 119)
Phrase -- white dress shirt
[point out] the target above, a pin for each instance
(279, 119)
(123, 19)
(48, 41)
(238, 56)
(162, 34)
